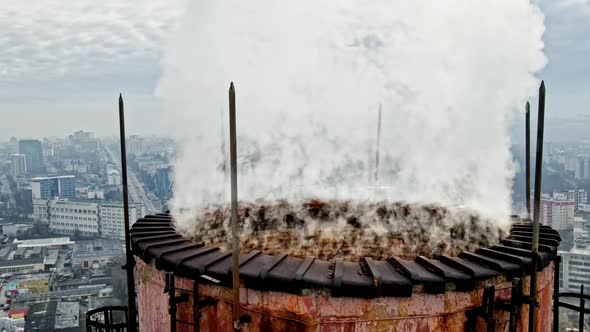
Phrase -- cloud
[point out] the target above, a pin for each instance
(50, 39)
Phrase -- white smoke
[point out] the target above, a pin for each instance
(309, 77)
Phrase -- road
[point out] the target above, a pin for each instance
(137, 193)
(140, 192)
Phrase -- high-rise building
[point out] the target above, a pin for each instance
(575, 267)
(19, 164)
(578, 168)
(34, 155)
(163, 181)
(41, 188)
(557, 212)
(63, 186)
(586, 167)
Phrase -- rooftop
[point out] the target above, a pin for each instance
(99, 247)
(56, 241)
(18, 262)
(54, 316)
(67, 315)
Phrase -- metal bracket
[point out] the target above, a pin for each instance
(173, 300)
(485, 311)
(514, 305)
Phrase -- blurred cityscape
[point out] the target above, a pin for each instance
(62, 225)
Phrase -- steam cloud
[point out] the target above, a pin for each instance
(309, 77)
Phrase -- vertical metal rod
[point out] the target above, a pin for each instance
(581, 318)
(377, 148)
(491, 321)
(515, 303)
(196, 312)
(223, 155)
(130, 261)
(557, 263)
(172, 300)
(537, 206)
(528, 159)
(234, 207)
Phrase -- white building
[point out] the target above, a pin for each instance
(67, 217)
(41, 210)
(19, 165)
(582, 197)
(15, 229)
(91, 219)
(584, 207)
(575, 268)
(576, 195)
(112, 221)
(114, 177)
(95, 193)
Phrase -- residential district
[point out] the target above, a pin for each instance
(62, 224)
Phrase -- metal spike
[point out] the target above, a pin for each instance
(537, 205)
(234, 207)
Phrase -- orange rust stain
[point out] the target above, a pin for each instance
(317, 311)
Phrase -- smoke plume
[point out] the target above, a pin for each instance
(310, 76)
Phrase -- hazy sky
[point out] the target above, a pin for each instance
(62, 64)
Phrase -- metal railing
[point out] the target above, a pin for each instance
(107, 319)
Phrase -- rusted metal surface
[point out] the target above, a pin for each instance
(283, 293)
(316, 310)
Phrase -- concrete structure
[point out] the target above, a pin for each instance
(579, 196)
(584, 207)
(41, 188)
(112, 222)
(135, 145)
(63, 186)
(163, 182)
(15, 229)
(114, 177)
(575, 267)
(54, 316)
(34, 155)
(95, 253)
(69, 217)
(557, 212)
(29, 283)
(19, 165)
(90, 218)
(22, 265)
(48, 243)
(41, 210)
(95, 193)
(12, 324)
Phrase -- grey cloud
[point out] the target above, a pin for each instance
(50, 38)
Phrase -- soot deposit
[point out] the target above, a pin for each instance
(348, 229)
